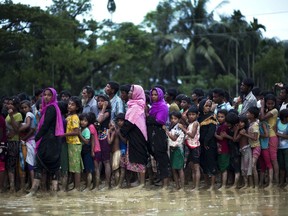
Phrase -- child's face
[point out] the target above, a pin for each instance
(221, 118)
(72, 108)
(192, 116)
(174, 120)
(270, 104)
(229, 125)
(120, 122)
(207, 106)
(10, 105)
(249, 115)
(100, 102)
(184, 104)
(241, 125)
(84, 123)
(25, 108)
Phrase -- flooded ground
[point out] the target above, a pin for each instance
(148, 201)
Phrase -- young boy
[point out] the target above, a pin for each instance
(120, 118)
(176, 144)
(253, 135)
(245, 149)
(232, 120)
(222, 146)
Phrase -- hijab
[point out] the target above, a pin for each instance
(203, 116)
(159, 109)
(136, 109)
(59, 129)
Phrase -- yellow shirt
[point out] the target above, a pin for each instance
(72, 123)
(254, 128)
(272, 122)
(18, 118)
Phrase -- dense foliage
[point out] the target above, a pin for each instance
(180, 45)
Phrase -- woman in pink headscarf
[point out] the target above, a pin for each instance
(134, 130)
(47, 139)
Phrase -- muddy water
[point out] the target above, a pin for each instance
(151, 201)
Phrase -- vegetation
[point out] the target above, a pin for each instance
(178, 45)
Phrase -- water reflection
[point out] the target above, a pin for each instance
(151, 201)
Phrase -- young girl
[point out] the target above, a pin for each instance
(222, 144)
(29, 125)
(208, 142)
(264, 159)
(13, 120)
(95, 147)
(176, 144)
(282, 133)
(120, 119)
(73, 141)
(103, 119)
(114, 142)
(269, 113)
(245, 149)
(193, 143)
(253, 139)
(84, 136)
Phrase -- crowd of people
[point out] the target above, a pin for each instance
(157, 136)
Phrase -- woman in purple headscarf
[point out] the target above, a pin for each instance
(157, 138)
(48, 146)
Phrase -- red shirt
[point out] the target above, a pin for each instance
(222, 145)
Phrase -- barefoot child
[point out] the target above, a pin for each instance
(253, 139)
(232, 120)
(264, 159)
(192, 141)
(74, 143)
(120, 119)
(222, 146)
(113, 140)
(245, 149)
(176, 144)
(84, 136)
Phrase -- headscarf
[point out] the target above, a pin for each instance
(159, 109)
(205, 116)
(59, 129)
(136, 109)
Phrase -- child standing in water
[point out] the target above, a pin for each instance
(28, 138)
(269, 113)
(192, 141)
(113, 140)
(222, 144)
(176, 144)
(245, 149)
(73, 141)
(232, 120)
(13, 121)
(120, 119)
(84, 136)
(264, 159)
(253, 139)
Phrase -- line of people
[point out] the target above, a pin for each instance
(154, 134)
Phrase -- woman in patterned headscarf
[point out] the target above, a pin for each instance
(157, 138)
(47, 139)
